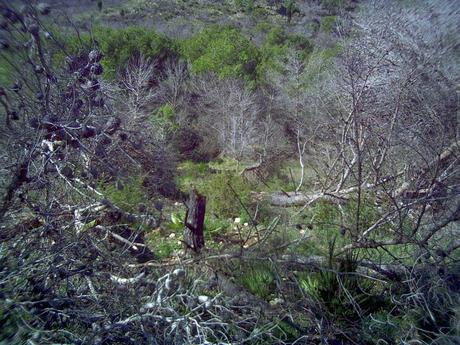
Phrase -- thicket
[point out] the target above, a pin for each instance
(362, 259)
(222, 50)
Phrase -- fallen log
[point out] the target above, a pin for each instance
(364, 267)
(288, 199)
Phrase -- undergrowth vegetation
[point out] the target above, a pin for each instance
(319, 136)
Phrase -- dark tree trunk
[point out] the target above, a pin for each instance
(194, 221)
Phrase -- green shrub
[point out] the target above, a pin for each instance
(222, 50)
(191, 174)
(164, 119)
(119, 45)
(345, 296)
(127, 194)
(276, 48)
(327, 23)
(219, 188)
(263, 26)
(222, 201)
(226, 164)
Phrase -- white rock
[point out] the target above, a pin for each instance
(276, 301)
(149, 306)
(203, 299)
(172, 235)
(237, 220)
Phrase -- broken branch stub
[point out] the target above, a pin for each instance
(194, 221)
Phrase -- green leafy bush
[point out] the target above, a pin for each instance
(191, 174)
(164, 119)
(276, 49)
(119, 45)
(127, 194)
(219, 188)
(222, 50)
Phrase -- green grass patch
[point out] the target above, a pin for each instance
(259, 280)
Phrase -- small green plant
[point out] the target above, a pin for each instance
(259, 280)
(215, 226)
(291, 9)
(167, 111)
(164, 246)
(6, 72)
(346, 296)
(125, 194)
(164, 119)
(244, 5)
(327, 23)
(249, 6)
(9, 322)
(263, 26)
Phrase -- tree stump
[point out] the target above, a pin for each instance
(194, 221)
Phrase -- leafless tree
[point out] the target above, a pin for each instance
(232, 112)
(389, 144)
(136, 83)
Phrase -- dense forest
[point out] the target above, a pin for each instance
(229, 172)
